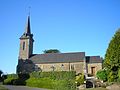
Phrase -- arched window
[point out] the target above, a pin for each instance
(23, 45)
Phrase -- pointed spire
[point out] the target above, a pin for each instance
(27, 29)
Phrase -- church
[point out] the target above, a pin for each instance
(75, 61)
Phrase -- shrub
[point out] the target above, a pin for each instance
(40, 83)
(62, 80)
(12, 76)
(80, 79)
(102, 75)
(35, 75)
(64, 85)
(51, 84)
(8, 81)
(59, 75)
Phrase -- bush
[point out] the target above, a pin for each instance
(59, 75)
(52, 80)
(64, 85)
(80, 79)
(40, 83)
(62, 80)
(14, 79)
(51, 84)
(102, 75)
(12, 76)
(35, 75)
(8, 81)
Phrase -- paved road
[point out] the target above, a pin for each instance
(21, 88)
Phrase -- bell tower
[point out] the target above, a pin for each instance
(26, 42)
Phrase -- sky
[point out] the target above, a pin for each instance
(67, 25)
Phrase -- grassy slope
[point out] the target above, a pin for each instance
(2, 88)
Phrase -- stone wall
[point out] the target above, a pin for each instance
(23, 54)
(76, 66)
(97, 67)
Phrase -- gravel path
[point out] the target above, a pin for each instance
(10, 87)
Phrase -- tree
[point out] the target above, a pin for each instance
(112, 57)
(1, 73)
(51, 51)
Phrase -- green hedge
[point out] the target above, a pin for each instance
(62, 80)
(64, 85)
(8, 81)
(59, 75)
(51, 84)
(40, 83)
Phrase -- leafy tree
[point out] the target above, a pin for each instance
(51, 51)
(1, 73)
(112, 57)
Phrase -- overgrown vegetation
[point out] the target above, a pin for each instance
(61, 80)
(80, 79)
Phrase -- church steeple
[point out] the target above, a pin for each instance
(26, 42)
(27, 29)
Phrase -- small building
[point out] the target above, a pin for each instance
(75, 61)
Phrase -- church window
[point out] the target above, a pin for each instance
(23, 45)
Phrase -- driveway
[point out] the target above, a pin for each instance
(10, 87)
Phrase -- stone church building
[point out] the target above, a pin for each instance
(76, 61)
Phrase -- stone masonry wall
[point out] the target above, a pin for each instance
(97, 66)
(77, 66)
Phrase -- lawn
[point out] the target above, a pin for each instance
(2, 88)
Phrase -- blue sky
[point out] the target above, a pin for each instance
(67, 25)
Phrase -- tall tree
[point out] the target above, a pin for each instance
(1, 73)
(112, 57)
(51, 51)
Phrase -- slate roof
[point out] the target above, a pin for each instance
(58, 57)
(93, 59)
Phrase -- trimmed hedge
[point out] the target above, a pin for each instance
(59, 75)
(64, 85)
(53, 80)
(51, 84)
(40, 83)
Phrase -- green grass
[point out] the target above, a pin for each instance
(2, 88)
